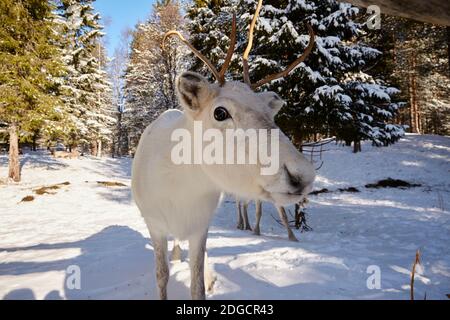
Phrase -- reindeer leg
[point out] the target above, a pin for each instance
(284, 219)
(162, 267)
(176, 251)
(245, 213)
(258, 216)
(240, 224)
(197, 249)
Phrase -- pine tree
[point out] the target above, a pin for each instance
(87, 86)
(151, 73)
(30, 63)
(138, 86)
(116, 70)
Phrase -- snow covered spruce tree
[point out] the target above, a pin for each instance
(30, 64)
(209, 25)
(88, 91)
(150, 76)
(327, 95)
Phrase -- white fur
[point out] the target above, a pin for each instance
(179, 200)
(159, 187)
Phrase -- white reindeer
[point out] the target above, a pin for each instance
(179, 200)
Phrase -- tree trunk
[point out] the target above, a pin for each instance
(356, 146)
(94, 148)
(14, 163)
(413, 109)
(448, 49)
(35, 137)
(120, 148)
(99, 148)
(113, 148)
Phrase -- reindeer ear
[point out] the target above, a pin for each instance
(273, 100)
(193, 89)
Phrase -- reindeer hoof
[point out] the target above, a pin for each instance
(209, 284)
(257, 232)
(176, 254)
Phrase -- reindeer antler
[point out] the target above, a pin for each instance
(279, 74)
(219, 76)
(195, 51)
(250, 44)
(230, 52)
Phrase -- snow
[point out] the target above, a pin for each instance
(100, 230)
(327, 91)
(314, 76)
(265, 24)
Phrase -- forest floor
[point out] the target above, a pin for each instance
(97, 228)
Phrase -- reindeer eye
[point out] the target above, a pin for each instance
(221, 114)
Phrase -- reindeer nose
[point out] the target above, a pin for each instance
(295, 181)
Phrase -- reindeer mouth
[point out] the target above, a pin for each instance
(298, 193)
(285, 198)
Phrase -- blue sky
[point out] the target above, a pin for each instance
(121, 14)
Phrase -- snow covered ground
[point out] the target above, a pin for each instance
(99, 230)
